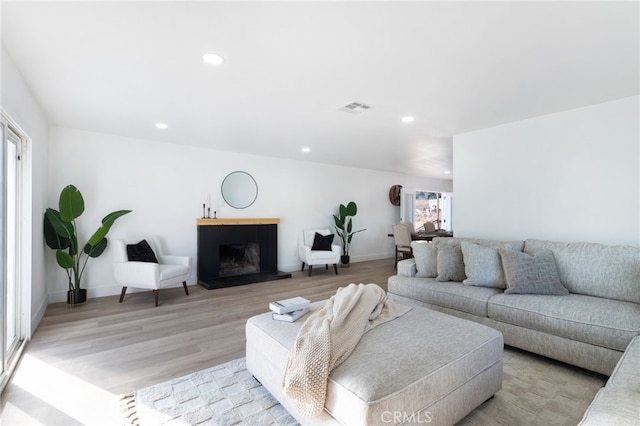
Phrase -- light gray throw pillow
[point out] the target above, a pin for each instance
(482, 266)
(450, 264)
(426, 256)
(526, 274)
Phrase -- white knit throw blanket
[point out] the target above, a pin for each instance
(328, 337)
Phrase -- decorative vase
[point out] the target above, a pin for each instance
(75, 297)
(345, 261)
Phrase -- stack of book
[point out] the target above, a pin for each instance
(289, 310)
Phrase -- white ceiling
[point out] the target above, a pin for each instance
(120, 67)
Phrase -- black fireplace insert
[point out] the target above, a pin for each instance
(230, 255)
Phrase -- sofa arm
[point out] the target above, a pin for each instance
(407, 268)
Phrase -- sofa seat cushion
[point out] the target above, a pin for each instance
(613, 406)
(627, 372)
(452, 295)
(602, 322)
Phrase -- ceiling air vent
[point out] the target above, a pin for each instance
(355, 107)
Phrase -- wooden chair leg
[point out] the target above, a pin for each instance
(186, 290)
(156, 293)
(326, 266)
(335, 267)
(395, 266)
(310, 268)
(124, 290)
(302, 270)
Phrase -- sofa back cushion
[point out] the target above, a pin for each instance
(595, 269)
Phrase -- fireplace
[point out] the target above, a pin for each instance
(237, 251)
(238, 259)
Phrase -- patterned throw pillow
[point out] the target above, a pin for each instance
(482, 266)
(426, 257)
(526, 274)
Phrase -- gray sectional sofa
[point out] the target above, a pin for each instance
(575, 302)
(618, 403)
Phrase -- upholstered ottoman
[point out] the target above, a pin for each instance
(423, 367)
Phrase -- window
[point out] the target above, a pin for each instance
(431, 207)
(428, 206)
(15, 263)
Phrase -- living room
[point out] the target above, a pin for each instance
(565, 166)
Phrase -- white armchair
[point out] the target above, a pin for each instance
(317, 257)
(169, 270)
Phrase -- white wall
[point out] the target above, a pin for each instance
(570, 176)
(22, 107)
(166, 184)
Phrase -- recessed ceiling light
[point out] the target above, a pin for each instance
(447, 172)
(306, 149)
(212, 59)
(162, 126)
(407, 119)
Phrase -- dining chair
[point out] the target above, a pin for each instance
(429, 227)
(402, 236)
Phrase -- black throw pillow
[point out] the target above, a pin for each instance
(141, 252)
(321, 242)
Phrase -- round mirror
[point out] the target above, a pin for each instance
(239, 190)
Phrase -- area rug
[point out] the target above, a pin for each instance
(535, 390)
(223, 395)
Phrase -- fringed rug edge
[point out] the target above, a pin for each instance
(129, 410)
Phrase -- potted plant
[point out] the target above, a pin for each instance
(344, 228)
(60, 232)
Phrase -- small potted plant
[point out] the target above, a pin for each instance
(344, 228)
(60, 232)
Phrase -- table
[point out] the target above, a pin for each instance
(424, 236)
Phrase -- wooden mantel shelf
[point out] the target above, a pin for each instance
(238, 221)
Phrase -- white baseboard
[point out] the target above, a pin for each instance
(36, 316)
(354, 259)
(111, 290)
(93, 292)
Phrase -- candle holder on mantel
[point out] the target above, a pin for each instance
(203, 216)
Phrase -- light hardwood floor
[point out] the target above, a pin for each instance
(82, 358)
